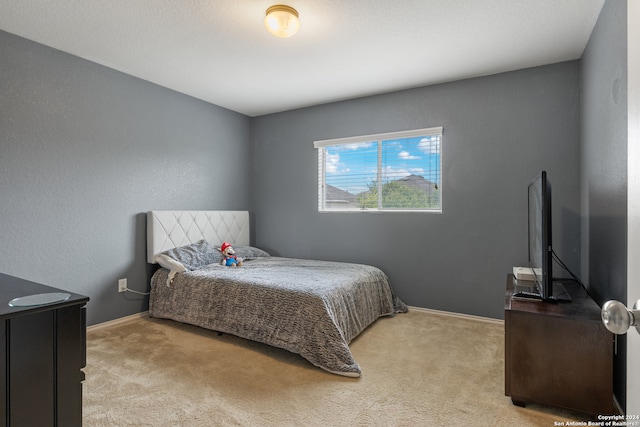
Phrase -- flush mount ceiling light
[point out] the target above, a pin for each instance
(282, 21)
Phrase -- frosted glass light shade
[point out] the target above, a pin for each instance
(282, 21)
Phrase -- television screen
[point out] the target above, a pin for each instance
(540, 252)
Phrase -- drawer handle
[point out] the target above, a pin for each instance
(618, 319)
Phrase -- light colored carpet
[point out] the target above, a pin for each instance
(418, 368)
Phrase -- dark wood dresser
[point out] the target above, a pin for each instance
(42, 353)
(558, 354)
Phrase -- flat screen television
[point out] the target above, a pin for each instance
(540, 248)
(540, 240)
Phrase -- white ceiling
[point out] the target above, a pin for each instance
(220, 52)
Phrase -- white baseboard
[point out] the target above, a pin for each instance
(117, 321)
(459, 315)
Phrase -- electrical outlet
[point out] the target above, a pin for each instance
(122, 285)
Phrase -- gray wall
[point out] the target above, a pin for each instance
(604, 155)
(604, 166)
(84, 152)
(499, 131)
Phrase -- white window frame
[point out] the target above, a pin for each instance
(320, 145)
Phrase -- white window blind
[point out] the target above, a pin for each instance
(397, 171)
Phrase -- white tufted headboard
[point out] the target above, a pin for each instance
(172, 229)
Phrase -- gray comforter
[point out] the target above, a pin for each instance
(312, 308)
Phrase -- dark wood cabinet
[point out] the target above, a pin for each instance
(558, 354)
(42, 353)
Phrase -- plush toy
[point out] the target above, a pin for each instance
(230, 259)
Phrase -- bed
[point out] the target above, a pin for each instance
(309, 307)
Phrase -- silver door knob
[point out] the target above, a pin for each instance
(618, 319)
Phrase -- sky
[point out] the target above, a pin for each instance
(351, 167)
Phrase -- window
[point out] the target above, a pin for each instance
(398, 171)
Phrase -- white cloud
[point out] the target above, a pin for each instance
(405, 155)
(395, 173)
(429, 145)
(332, 163)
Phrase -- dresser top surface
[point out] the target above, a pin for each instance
(13, 287)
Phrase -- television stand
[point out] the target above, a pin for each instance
(558, 354)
